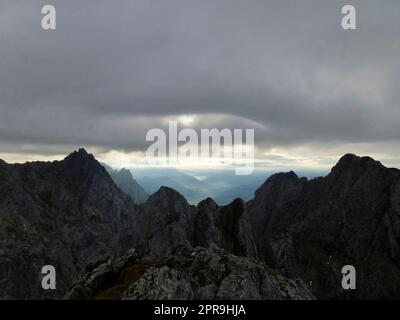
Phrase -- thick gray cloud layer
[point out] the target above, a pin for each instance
(114, 69)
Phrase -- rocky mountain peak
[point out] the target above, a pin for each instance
(342, 218)
(63, 213)
(82, 164)
(284, 184)
(350, 162)
(284, 178)
(166, 195)
(238, 205)
(208, 203)
(80, 156)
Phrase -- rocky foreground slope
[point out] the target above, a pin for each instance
(72, 215)
(187, 273)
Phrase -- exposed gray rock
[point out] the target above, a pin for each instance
(161, 283)
(192, 273)
(99, 274)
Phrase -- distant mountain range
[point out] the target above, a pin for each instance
(222, 185)
(289, 242)
(123, 179)
(194, 190)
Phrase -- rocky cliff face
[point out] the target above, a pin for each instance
(311, 229)
(65, 213)
(226, 227)
(166, 220)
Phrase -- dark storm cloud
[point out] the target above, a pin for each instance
(114, 69)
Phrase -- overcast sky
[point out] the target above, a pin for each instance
(115, 69)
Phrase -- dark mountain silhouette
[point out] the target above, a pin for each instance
(64, 213)
(72, 215)
(310, 229)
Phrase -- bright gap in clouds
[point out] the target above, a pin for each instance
(269, 153)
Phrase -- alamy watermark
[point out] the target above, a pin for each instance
(349, 277)
(348, 21)
(234, 147)
(49, 17)
(49, 277)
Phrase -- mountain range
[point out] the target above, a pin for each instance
(289, 242)
(124, 180)
(223, 185)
